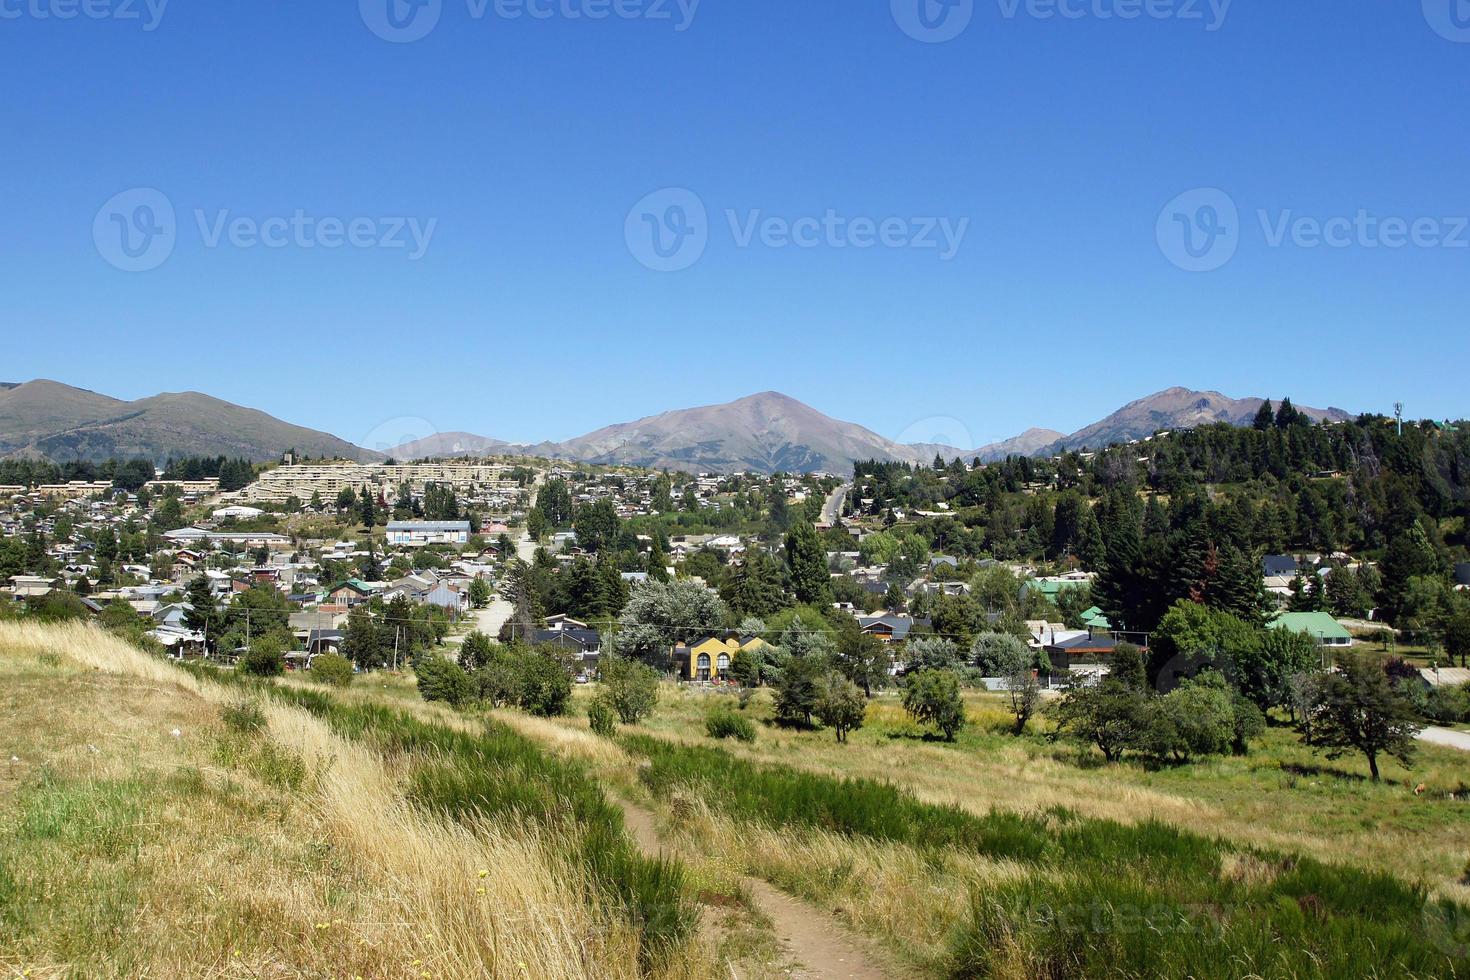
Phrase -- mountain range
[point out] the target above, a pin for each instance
(765, 432)
(62, 423)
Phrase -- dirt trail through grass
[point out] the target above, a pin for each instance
(822, 947)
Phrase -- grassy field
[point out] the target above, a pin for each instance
(1280, 826)
(153, 823)
(287, 832)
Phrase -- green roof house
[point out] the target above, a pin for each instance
(1318, 625)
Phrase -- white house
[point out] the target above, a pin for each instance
(416, 534)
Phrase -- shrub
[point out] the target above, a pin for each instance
(265, 658)
(502, 678)
(1197, 718)
(331, 669)
(602, 718)
(631, 688)
(244, 717)
(1447, 705)
(546, 686)
(724, 723)
(932, 697)
(443, 680)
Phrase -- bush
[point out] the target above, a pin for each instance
(1109, 715)
(547, 687)
(331, 669)
(1197, 718)
(631, 688)
(243, 717)
(265, 658)
(724, 723)
(1447, 705)
(502, 678)
(602, 718)
(444, 680)
(932, 697)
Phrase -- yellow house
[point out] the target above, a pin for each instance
(710, 658)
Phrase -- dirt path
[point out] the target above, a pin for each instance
(820, 947)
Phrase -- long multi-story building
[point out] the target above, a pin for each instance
(329, 479)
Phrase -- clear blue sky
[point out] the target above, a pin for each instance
(529, 140)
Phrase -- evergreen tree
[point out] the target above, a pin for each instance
(1265, 418)
(806, 560)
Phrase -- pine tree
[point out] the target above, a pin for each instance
(1265, 417)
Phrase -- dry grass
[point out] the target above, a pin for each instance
(1282, 796)
(234, 876)
(911, 898)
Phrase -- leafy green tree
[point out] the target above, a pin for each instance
(443, 680)
(1262, 671)
(1017, 665)
(840, 705)
(1109, 715)
(932, 697)
(1357, 709)
(546, 684)
(1196, 718)
(475, 652)
(362, 642)
(629, 686)
(480, 594)
(266, 657)
(796, 687)
(660, 615)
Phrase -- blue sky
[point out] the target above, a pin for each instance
(1069, 149)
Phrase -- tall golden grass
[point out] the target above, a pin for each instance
(445, 899)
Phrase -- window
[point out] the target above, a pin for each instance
(722, 663)
(702, 672)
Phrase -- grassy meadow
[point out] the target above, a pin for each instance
(287, 830)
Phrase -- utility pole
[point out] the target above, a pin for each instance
(1398, 414)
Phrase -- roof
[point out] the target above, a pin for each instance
(1278, 565)
(1318, 624)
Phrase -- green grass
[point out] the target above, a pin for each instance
(1100, 897)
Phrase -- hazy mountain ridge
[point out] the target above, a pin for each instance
(1173, 408)
(65, 423)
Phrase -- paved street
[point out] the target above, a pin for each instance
(1444, 736)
